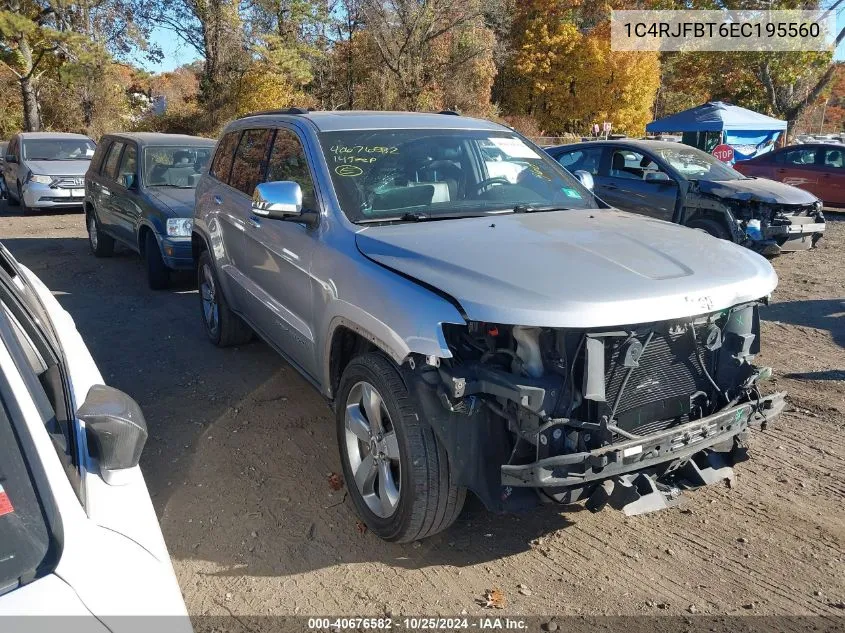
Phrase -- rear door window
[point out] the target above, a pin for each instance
(802, 157)
(223, 157)
(128, 166)
(587, 159)
(250, 160)
(112, 160)
(834, 158)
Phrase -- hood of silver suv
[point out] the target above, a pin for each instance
(591, 268)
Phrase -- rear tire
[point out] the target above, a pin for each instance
(714, 228)
(383, 439)
(158, 274)
(223, 327)
(102, 245)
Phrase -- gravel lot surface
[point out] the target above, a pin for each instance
(241, 449)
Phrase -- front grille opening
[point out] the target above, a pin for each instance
(667, 388)
(659, 393)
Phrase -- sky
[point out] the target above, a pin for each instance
(177, 53)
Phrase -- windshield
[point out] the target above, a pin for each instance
(175, 166)
(58, 149)
(697, 165)
(383, 175)
(26, 548)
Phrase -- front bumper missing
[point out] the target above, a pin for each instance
(676, 444)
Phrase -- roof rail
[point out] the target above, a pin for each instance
(450, 112)
(292, 110)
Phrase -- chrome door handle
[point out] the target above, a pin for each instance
(218, 200)
(254, 221)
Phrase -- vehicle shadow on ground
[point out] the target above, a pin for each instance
(241, 446)
(13, 211)
(821, 314)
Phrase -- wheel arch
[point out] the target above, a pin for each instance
(348, 339)
(723, 217)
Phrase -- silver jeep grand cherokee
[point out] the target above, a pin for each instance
(479, 320)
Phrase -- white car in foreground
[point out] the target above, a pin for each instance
(78, 533)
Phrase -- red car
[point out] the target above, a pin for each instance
(818, 168)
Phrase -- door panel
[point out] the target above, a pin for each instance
(105, 186)
(634, 182)
(797, 168)
(124, 204)
(279, 254)
(832, 176)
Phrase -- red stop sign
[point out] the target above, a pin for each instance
(723, 152)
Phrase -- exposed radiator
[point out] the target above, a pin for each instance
(658, 392)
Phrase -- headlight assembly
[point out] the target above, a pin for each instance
(179, 227)
(40, 179)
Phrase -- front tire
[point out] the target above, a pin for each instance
(397, 472)
(714, 228)
(102, 245)
(223, 327)
(158, 274)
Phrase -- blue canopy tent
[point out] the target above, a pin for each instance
(706, 126)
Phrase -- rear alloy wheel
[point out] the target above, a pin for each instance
(102, 245)
(223, 327)
(158, 274)
(397, 472)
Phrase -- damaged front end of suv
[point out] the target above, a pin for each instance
(625, 415)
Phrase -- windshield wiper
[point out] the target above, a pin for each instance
(530, 208)
(419, 216)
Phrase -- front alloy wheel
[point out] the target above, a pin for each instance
(396, 470)
(373, 450)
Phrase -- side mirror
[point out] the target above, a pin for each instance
(281, 200)
(585, 178)
(116, 430)
(657, 177)
(11, 158)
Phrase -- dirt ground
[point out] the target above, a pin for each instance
(241, 448)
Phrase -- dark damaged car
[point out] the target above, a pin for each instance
(479, 320)
(682, 184)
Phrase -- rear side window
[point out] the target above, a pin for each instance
(834, 158)
(250, 160)
(222, 164)
(799, 157)
(587, 159)
(99, 154)
(128, 166)
(112, 158)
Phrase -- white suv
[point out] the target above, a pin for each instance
(78, 533)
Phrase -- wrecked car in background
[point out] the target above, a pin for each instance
(682, 184)
(479, 319)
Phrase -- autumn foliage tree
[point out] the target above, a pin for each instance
(566, 77)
